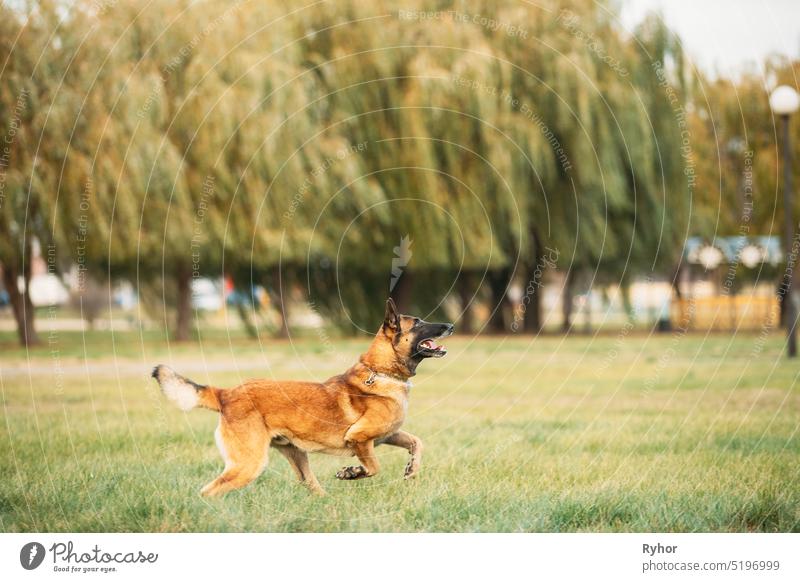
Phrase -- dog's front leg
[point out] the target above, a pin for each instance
(413, 445)
(365, 451)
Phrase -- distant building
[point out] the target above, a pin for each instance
(728, 283)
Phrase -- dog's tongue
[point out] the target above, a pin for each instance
(431, 345)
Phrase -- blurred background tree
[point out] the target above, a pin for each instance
(336, 155)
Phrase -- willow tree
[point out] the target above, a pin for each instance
(141, 189)
(355, 151)
(255, 133)
(17, 51)
(35, 95)
(426, 171)
(611, 207)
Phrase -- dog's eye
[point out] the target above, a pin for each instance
(417, 321)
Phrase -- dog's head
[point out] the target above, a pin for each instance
(411, 338)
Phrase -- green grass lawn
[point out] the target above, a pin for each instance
(612, 433)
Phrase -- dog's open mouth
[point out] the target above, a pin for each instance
(430, 349)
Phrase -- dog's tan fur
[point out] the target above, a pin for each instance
(348, 414)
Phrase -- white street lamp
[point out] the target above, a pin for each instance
(784, 101)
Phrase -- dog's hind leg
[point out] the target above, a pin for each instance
(298, 460)
(413, 445)
(230, 479)
(243, 446)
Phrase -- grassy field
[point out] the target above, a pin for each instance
(613, 433)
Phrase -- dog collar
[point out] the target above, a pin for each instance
(373, 375)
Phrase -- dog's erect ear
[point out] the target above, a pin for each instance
(392, 318)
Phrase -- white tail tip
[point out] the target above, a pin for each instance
(176, 388)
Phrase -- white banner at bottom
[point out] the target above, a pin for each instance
(389, 557)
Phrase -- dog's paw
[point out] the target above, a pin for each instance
(412, 468)
(352, 473)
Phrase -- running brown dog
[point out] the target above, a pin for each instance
(345, 415)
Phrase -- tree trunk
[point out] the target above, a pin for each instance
(532, 322)
(587, 311)
(566, 302)
(780, 291)
(498, 287)
(676, 280)
(184, 304)
(627, 304)
(21, 304)
(784, 298)
(280, 297)
(244, 316)
(465, 295)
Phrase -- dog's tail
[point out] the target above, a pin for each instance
(185, 393)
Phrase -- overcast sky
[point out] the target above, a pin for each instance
(725, 35)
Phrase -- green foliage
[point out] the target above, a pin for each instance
(242, 138)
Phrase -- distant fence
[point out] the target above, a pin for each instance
(726, 313)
